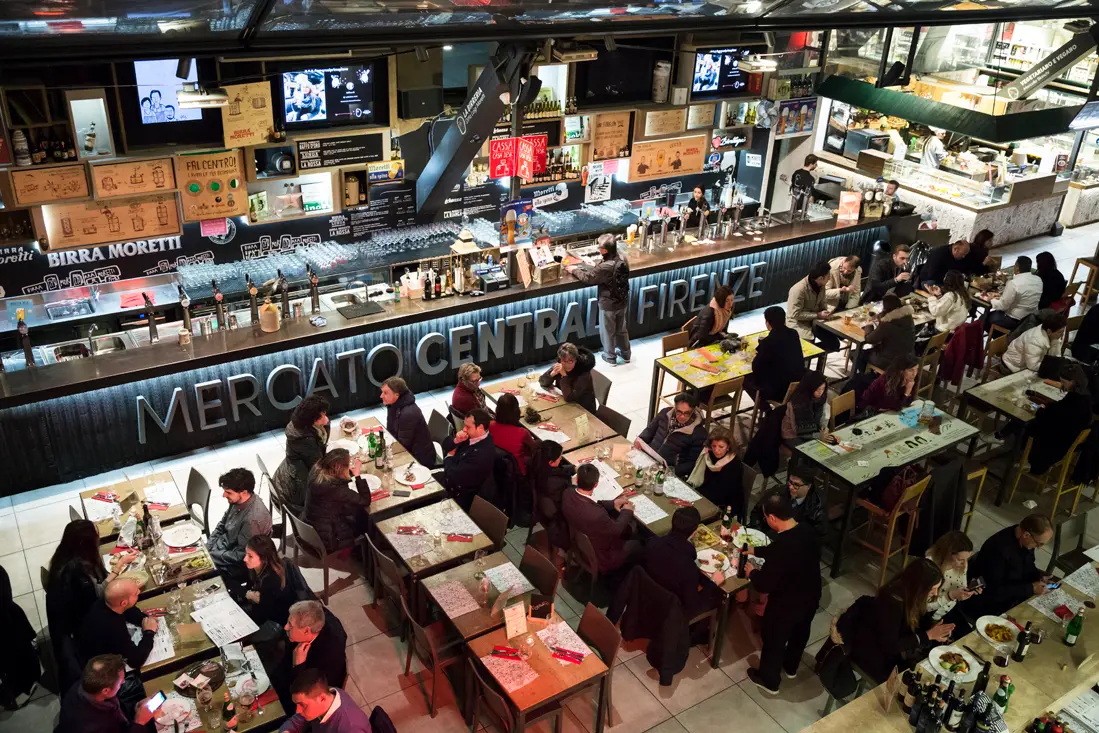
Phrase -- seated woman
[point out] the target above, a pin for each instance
(571, 374)
(338, 513)
(719, 473)
(710, 323)
(467, 395)
(887, 630)
(1053, 282)
(807, 411)
(508, 433)
(306, 442)
(551, 476)
(270, 593)
(894, 335)
(950, 553)
(949, 303)
(895, 389)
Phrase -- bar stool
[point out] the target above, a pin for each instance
(908, 504)
(1092, 266)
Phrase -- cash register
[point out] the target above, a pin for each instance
(491, 278)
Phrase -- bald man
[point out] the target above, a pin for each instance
(104, 629)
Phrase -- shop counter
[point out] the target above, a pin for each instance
(1081, 204)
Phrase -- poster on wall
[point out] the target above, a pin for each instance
(598, 186)
(211, 185)
(49, 184)
(665, 122)
(111, 180)
(701, 115)
(515, 222)
(665, 158)
(796, 117)
(248, 118)
(93, 222)
(611, 136)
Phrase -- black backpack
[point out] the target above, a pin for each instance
(380, 722)
(620, 282)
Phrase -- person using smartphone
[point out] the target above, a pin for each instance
(92, 706)
(951, 554)
(338, 513)
(1006, 562)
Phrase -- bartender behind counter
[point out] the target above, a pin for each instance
(934, 152)
(697, 203)
(803, 180)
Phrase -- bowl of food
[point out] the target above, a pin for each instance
(997, 631)
(349, 425)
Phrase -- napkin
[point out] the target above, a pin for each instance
(708, 355)
(705, 367)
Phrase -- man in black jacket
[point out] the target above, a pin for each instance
(670, 561)
(470, 459)
(805, 503)
(317, 640)
(405, 421)
(612, 275)
(942, 260)
(92, 706)
(790, 576)
(1006, 562)
(676, 434)
(613, 551)
(889, 273)
(779, 359)
(571, 374)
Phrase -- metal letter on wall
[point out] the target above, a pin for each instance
(461, 345)
(353, 358)
(755, 279)
(273, 377)
(491, 338)
(236, 401)
(644, 303)
(737, 277)
(202, 405)
(678, 300)
(698, 289)
(320, 370)
(422, 361)
(519, 322)
(545, 327)
(572, 324)
(372, 357)
(177, 405)
(593, 315)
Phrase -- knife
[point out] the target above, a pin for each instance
(977, 656)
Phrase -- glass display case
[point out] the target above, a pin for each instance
(947, 186)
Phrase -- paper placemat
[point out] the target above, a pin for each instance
(457, 522)
(96, 510)
(677, 489)
(163, 493)
(640, 459)
(512, 674)
(561, 635)
(224, 621)
(508, 576)
(556, 436)
(606, 490)
(163, 648)
(606, 471)
(1085, 580)
(409, 546)
(1054, 599)
(646, 510)
(454, 599)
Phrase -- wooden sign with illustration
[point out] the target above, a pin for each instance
(611, 135)
(120, 220)
(45, 185)
(665, 122)
(664, 158)
(701, 115)
(248, 118)
(112, 180)
(211, 185)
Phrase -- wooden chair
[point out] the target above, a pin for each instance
(936, 342)
(434, 648)
(1072, 327)
(500, 711)
(492, 521)
(994, 333)
(583, 555)
(602, 387)
(979, 475)
(908, 504)
(724, 395)
(306, 538)
(74, 513)
(541, 573)
(759, 398)
(994, 364)
(616, 421)
(1065, 465)
(1091, 264)
(844, 403)
(198, 495)
(689, 325)
(927, 375)
(388, 581)
(277, 529)
(600, 634)
(673, 343)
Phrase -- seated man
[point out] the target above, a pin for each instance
(470, 459)
(889, 274)
(571, 374)
(844, 286)
(942, 260)
(92, 706)
(405, 421)
(806, 506)
(807, 303)
(319, 708)
(1035, 344)
(245, 518)
(608, 536)
(1006, 562)
(676, 434)
(317, 641)
(779, 360)
(1020, 298)
(670, 561)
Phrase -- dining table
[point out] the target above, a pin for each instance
(850, 325)
(192, 565)
(159, 489)
(571, 421)
(527, 391)
(708, 536)
(189, 642)
(459, 595)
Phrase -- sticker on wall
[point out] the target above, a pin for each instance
(211, 185)
(597, 181)
(549, 196)
(753, 160)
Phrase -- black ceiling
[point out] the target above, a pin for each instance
(34, 31)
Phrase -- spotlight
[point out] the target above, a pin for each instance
(183, 68)
(448, 47)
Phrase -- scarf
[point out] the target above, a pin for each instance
(675, 427)
(477, 392)
(704, 464)
(721, 317)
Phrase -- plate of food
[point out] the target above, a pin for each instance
(997, 631)
(183, 534)
(412, 474)
(349, 425)
(953, 664)
(753, 537)
(711, 560)
(704, 537)
(176, 710)
(348, 444)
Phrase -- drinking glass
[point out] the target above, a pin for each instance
(246, 700)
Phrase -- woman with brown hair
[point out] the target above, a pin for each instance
(807, 412)
(893, 390)
(338, 513)
(710, 323)
(269, 593)
(951, 554)
(719, 474)
(886, 630)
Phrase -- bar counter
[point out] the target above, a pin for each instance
(82, 417)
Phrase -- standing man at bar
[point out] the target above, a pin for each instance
(807, 303)
(612, 275)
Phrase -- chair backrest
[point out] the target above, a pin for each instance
(307, 537)
(542, 573)
(602, 387)
(597, 631)
(386, 569)
(1072, 327)
(616, 421)
(74, 513)
(675, 342)
(265, 477)
(724, 389)
(495, 702)
(438, 427)
(910, 499)
(994, 350)
(928, 373)
(844, 403)
(457, 418)
(689, 325)
(198, 494)
(790, 391)
(937, 342)
(994, 333)
(421, 640)
(584, 546)
(44, 576)
(492, 521)
(1072, 289)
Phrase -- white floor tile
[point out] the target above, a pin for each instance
(39, 557)
(9, 535)
(16, 567)
(30, 607)
(44, 524)
(47, 495)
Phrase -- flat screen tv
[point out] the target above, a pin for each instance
(157, 86)
(151, 114)
(339, 95)
(717, 74)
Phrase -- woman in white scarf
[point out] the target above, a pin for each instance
(709, 326)
(718, 474)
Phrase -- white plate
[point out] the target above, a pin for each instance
(174, 709)
(939, 651)
(263, 684)
(707, 553)
(422, 474)
(755, 538)
(984, 621)
(349, 445)
(372, 481)
(183, 534)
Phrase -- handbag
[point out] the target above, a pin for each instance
(835, 671)
(897, 486)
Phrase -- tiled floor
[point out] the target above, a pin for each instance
(701, 700)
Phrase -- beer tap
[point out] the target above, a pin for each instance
(24, 336)
(738, 209)
(153, 336)
(185, 302)
(643, 242)
(219, 303)
(253, 304)
(664, 229)
(702, 218)
(314, 291)
(284, 293)
(720, 219)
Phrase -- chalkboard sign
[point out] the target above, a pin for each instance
(329, 152)
(391, 206)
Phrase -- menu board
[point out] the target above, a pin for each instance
(49, 184)
(211, 185)
(701, 115)
(133, 178)
(248, 118)
(92, 222)
(329, 152)
(610, 134)
(663, 158)
(392, 205)
(665, 122)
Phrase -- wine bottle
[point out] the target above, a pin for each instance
(982, 679)
(956, 713)
(910, 691)
(1075, 626)
(1023, 644)
(228, 713)
(917, 705)
(742, 565)
(379, 457)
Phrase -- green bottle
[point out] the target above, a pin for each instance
(371, 446)
(1075, 626)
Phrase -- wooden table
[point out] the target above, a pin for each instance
(517, 383)
(678, 366)
(356, 442)
(728, 589)
(273, 711)
(123, 489)
(555, 681)
(618, 446)
(886, 441)
(185, 651)
(473, 624)
(848, 325)
(983, 289)
(565, 417)
(152, 588)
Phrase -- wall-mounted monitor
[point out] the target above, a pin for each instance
(151, 115)
(157, 85)
(717, 74)
(323, 97)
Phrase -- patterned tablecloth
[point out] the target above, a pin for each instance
(730, 366)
